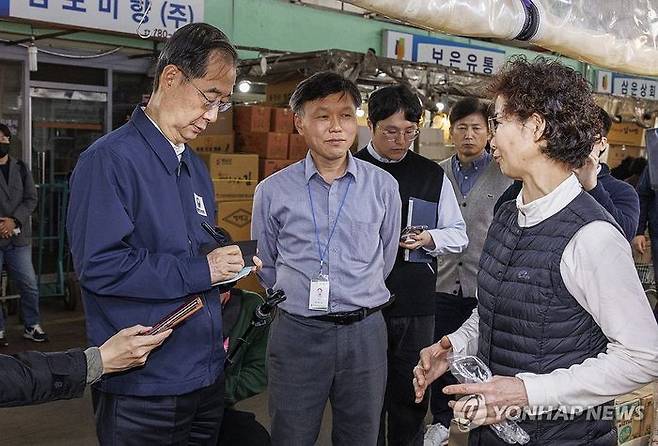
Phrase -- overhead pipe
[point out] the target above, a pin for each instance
(620, 35)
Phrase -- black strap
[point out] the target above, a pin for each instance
(531, 24)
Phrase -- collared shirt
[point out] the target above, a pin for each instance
(467, 176)
(449, 236)
(598, 270)
(178, 148)
(362, 250)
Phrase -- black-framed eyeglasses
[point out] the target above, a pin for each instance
(392, 135)
(219, 104)
(493, 123)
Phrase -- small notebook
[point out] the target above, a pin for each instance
(421, 212)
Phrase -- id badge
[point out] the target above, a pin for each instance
(318, 298)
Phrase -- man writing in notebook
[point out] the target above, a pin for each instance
(393, 117)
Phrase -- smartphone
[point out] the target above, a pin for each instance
(177, 316)
(405, 236)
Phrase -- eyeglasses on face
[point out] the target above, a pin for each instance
(222, 104)
(393, 135)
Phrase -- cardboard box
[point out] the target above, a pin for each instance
(296, 146)
(234, 188)
(252, 118)
(627, 419)
(223, 125)
(266, 145)
(231, 165)
(648, 415)
(269, 166)
(628, 133)
(279, 93)
(235, 217)
(281, 120)
(213, 143)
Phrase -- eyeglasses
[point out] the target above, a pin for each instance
(219, 104)
(493, 124)
(392, 135)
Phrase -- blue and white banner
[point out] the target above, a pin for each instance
(123, 16)
(425, 49)
(624, 85)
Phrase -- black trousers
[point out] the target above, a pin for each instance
(190, 419)
(241, 428)
(451, 312)
(402, 418)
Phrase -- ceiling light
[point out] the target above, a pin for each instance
(244, 86)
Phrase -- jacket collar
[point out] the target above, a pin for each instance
(156, 140)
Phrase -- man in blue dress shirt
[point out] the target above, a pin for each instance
(328, 229)
(138, 198)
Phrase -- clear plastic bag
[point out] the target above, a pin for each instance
(470, 369)
(620, 35)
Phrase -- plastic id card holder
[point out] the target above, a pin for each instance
(318, 298)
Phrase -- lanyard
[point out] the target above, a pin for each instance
(315, 224)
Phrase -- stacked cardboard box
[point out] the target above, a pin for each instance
(267, 132)
(635, 416)
(279, 94)
(252, 118)
(213, 143)
(218, 136)
(234, 178)
(268, 145)
(296, 146)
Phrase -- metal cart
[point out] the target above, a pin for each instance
(52, 262)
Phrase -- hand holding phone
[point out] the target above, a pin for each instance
(409, 231)
(177, 316)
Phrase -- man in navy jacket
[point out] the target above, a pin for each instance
(138, 198)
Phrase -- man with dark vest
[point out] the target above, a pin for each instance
(557, 284)
(393, 116)
(477, 182)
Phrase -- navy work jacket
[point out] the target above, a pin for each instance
(134, 227)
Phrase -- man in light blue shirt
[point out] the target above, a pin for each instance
(328, 229)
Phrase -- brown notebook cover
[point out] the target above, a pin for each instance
(177, 316)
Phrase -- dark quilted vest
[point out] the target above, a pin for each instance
(529, 322)
(413, 284)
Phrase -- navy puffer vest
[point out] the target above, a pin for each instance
(529, 322)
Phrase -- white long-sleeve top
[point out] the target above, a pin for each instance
(449, 236)
(598, 270)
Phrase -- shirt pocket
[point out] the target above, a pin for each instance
(365, 241)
